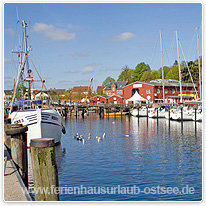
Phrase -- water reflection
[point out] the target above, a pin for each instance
(144, 152)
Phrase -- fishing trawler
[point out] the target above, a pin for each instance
(42, 121)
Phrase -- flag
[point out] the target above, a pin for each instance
(31, 81)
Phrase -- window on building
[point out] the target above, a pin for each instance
(148, 91)
(158, 91)
(120, 92)
(173, 91)
(113, 89)
(117, 91)
(166, 91)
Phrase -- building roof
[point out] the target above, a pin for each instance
(167, 82)
(80, 89)
(103, 96)
(121, 96)
(119, 85)
(107, 97)
(170, 82)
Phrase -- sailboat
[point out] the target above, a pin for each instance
(42, 122)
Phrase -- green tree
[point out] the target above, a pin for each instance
(173, 73)
(149, 75)
(175, 63)
(107, 80)
(166, 70)
(194, 70)
(126, 74)
(139, 70)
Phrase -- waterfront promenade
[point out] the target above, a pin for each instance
(12, 182)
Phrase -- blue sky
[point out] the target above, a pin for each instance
(73, 42)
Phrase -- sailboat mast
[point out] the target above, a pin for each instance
(198, 50)
(163, 84)
(24, 24)
(179, 67)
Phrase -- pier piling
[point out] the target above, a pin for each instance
(18, 145)
(7, 138)
(45, 173)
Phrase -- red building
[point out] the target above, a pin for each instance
(80, 89)
(94, 101)
(153, 91)
(115, 99)
(115, 88)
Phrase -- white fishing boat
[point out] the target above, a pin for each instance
(42, 121)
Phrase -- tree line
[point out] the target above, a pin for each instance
(143, 73)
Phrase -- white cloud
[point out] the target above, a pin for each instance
(71, 26)
(126, 36)
(10, 32)
(53, 33)
(8, 61)
(87, 70)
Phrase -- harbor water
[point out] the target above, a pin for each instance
(149, 155)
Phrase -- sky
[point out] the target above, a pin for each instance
(72, 42)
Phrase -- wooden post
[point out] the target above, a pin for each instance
(83, 113)
(45, 173)
(19, 149)
(181, 113)
(169, 114)
(147, 111)
(65, 111)
(121, 112)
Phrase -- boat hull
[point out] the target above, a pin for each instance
(142, 112)
(42, 123)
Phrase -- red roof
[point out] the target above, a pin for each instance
(80, 89)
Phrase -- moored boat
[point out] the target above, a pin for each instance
(42, 122)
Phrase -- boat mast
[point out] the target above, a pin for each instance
(198, 50)
(26, 50)
(179, 67)
(22, 63)
(163, 84)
